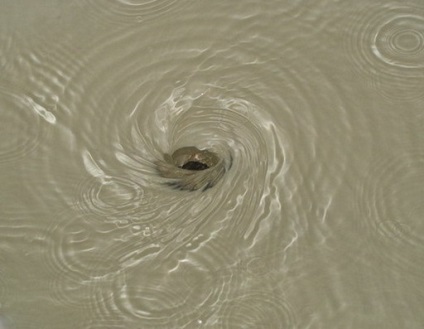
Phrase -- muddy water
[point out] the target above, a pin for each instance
(313, 109)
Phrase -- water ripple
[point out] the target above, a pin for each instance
(151, 282)
(215, 100)
(391, 203)
(400, 42)
(157, 296)
(387, 44)
(253, 309)
(111, 197)
(76, 243)
(41, 70)
(2, 281)
(6, 51)
(85, 250)
(141, 123)
(21, 128)
(205, 90)
(127, 11)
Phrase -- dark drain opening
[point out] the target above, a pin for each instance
(194, 165)
(192, 169)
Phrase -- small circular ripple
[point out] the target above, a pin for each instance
(86, 254)
(387, 43)
(21, 129)
(77, 242)
(85, 251)
(157, 286)
(257, 310)
(400, 42)
(127, 11)
(156, 297)
(112, 197)
(392, 206)
(76, 245)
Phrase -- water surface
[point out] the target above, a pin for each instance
(317, 223)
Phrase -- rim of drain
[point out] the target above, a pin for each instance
(192, 168)
(191, 158)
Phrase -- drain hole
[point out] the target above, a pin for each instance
(192, 169)
(194, 165)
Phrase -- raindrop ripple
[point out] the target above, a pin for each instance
(391, 204)
(387, 44)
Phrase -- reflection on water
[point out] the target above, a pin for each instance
(305, 119)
